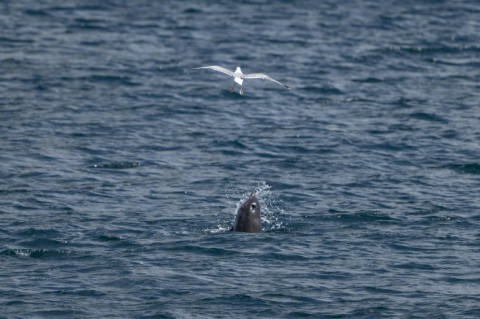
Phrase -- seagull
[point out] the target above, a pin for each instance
(239, 76)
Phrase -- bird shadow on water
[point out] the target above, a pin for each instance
(227, 93)
(235, 94)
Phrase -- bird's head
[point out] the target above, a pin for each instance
(238, 70)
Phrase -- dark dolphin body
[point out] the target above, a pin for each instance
(248, 216)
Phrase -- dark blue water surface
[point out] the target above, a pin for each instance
(121, 168)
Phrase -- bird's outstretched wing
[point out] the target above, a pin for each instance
(216, 68)
(262, 77)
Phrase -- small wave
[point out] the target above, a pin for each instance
(432, 49)
(36, 12)
(323, 90)
(365, 216)
(119, 165)
(223, 227)
(37, 232)
(473, 168)
(192, 10)
(109, 238)
(428, 117)
(368, 80)
(111, 79)
(14, 40)
(200, 249)
(36, 253)
(13, 191)
(416, 266)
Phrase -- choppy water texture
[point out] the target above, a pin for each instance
(121, 168)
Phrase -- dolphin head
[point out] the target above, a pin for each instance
(248, 216)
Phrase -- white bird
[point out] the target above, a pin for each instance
(239, 76)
